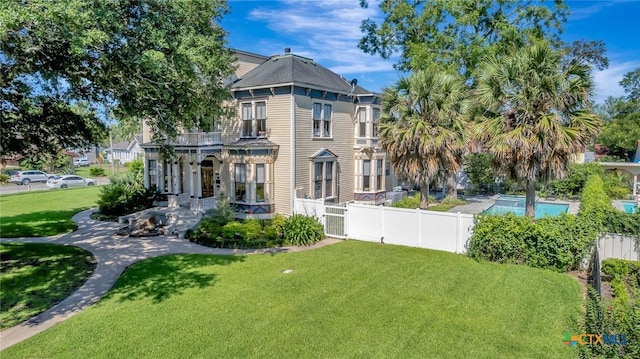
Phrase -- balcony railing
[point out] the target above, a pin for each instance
(198, 139)
(366, 142)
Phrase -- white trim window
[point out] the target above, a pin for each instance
(366, 175)
(153, 172)
(324, 183)
(260, 183)
(322, 114)
(254, 119)
(379, 174)
(240, 182)
(362, 122)
(374, 121)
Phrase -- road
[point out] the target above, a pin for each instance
(37, 186)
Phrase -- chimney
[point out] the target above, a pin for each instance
(287, 50)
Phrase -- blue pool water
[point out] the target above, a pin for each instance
(516, 205)
(630, 207)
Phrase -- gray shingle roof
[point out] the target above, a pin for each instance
(289, 68)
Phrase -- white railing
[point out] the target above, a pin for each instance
(207, 204)
(198, 138)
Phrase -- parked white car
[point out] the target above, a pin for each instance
(81, 162)
(67, 181)
(26, 177)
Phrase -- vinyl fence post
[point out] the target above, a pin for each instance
(381, 221)
(458, 234)
(419, 228)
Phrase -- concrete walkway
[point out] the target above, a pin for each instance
(113, 255)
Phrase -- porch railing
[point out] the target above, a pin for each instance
(198, 138)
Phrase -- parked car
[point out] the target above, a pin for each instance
(67, 181)
(81, 162)
(26, 177)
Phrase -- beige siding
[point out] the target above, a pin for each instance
(343, 147)
(278, 125)
(230, 127)
(341, 144)
(247, 63)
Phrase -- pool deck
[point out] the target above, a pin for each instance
(478, 204)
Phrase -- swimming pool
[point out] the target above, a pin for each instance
(630, 207)
(516, 205)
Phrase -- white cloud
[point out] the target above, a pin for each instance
(608, 81)
(326, 31)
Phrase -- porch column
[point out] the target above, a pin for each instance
(160, 175)
(146, 173)
(191, 192)
(169, 179)
(177, 177)
(199, 179)
(635, 185)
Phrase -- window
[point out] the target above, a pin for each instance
(362, 123)
(366, 175)
(328, 179)
(317, 179)
(260, 183)
(254, 119)
(261, 118)
(247, 126)
(323, 179)
(379, 175)
(387, 168)
(321, 120)
(326, 117)
(152, 173)
(240, 181)
(374, 124)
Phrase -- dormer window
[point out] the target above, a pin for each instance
(254, 119)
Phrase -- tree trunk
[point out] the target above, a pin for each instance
(452, 186)
(424, 195)
(531, 199)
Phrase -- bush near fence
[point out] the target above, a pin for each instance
(558, 243)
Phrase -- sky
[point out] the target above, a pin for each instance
(328, 31)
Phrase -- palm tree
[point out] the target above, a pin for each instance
(537, 114)
(422, 128)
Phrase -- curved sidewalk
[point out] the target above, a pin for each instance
(113, 254)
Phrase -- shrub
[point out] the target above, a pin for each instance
(252, 229)
(125, 195)
(4, 178)
(277, 223)
(223, 213)
(300, 230)
(97, 172)
(412, 202)
(573, 183)
(136, 166)
(479, 169)
(500, 239)
(233, 230)
(453, 201)
(620, 267)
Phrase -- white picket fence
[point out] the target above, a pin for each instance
(408, 227)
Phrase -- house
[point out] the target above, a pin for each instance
(126, 151)
(301, 130)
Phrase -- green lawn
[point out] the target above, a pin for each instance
(352, 299)
(34, 277)
(43, 213)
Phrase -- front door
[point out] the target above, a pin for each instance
(207, 182)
